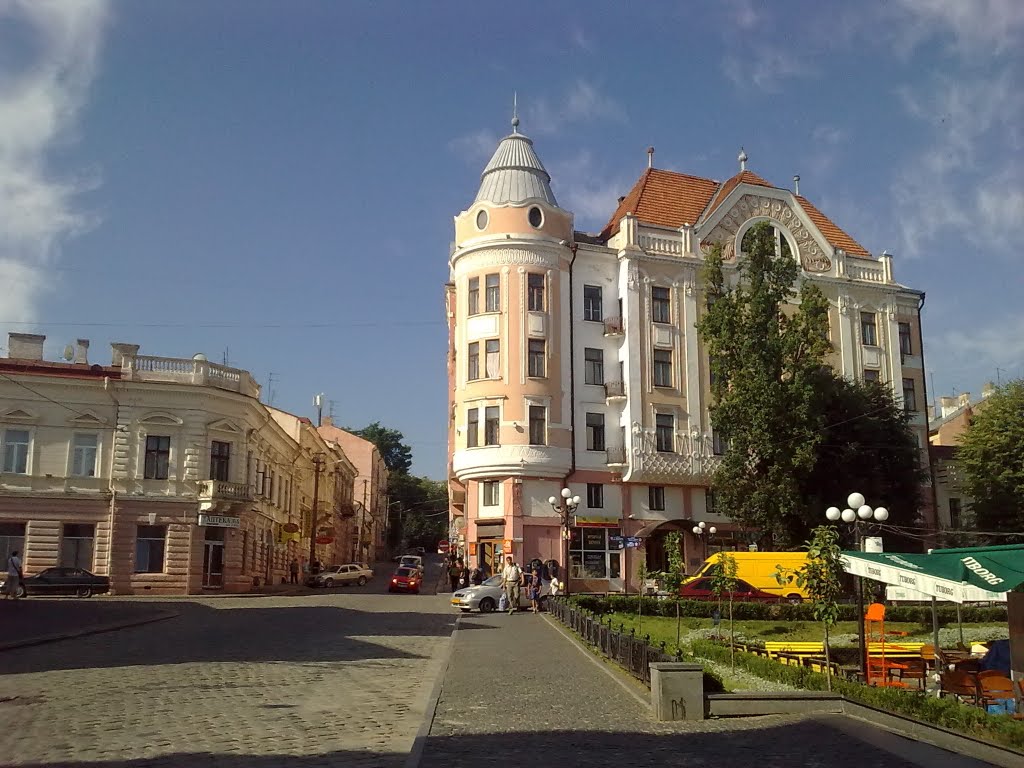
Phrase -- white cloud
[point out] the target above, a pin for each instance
(581, 102)
(764, 67)
(579, 38)
(40, 100)
(977, 26)
(743, 14)
(476, 147)
(999, 345)
(587, 190)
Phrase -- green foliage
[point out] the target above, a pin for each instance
(944, 712)
(672, 579)
(723, 582)
(991, 458)
(418, 510)
(766, 355)
(396, 454)
(822, 574)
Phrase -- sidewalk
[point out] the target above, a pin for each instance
(517, 691)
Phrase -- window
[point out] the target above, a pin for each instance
(781, 244)
(493, 366)
(473, 428)
(16, 443)
(473, 296)
(491, 489)
(590, 553)
(492, 285)
(535, 217)
(491, 417)
(660, 305)
(906, 348)
(709, 502)
(535, 292)
(593, 365)
(220, 461)
(535, 359)
(158, 456)
(909, 396)
(149, 548)
(871, 375)
(83, 455)
(718, 445)
(12, 538)
(595, 496)
(595, 431)
(592, 303)
(538, 425)
(473, 361)
(868, 332)
(656, 497)
(664, 432)
(954, 513)
(76, 545)
(663, 367)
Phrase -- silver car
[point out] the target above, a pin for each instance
(339, 575)
(484, 597)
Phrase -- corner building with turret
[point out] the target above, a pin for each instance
(573, 361)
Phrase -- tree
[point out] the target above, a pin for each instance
(867, 446)
(418, 510)
(822, 577)
(672, 579)
(396, 454)
(991, 458)
(723, 582)
(765, 354)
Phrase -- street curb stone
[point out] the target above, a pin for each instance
(85, 631)
(420, 742)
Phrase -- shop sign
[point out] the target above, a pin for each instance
(588, 521)
(220, 521)
(507, 546)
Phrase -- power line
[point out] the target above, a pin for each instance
(233, 325)
(44, 397)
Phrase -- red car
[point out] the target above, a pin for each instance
(406, 580)
(700, 589)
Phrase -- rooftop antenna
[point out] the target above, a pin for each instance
(515, 112)
(330, 409)
(999, 381)
(650, 157)
(225, 356)
(271, 394)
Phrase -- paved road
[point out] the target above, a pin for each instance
(519, 693)
(338, 678)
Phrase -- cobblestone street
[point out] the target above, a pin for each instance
(339, 678)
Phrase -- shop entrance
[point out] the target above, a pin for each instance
(213, 558)
(489, 556)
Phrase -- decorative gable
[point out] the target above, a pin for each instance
(87, 419)
(223, 425)
(160, 420)
(18, 415)
(810, 250)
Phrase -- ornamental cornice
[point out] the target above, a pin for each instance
(504, 257)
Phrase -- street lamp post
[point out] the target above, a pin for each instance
(565, 505)
(856, 514)
(704, 533)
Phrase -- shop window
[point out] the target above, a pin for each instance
(76, 545)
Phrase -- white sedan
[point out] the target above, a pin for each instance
(485, 597)
(339, 575)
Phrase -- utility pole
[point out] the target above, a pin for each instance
(317, 464)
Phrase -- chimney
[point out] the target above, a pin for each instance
(25, 346)
(327, 421)
(82, 352)
(947, 405)
(120, 352)
(965, 399)
(988, 389)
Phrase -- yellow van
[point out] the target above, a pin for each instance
(758, 570)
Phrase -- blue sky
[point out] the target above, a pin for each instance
(276, 181)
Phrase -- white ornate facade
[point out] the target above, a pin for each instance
(598, 379)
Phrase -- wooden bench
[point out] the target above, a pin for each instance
(775, 650)
(896, 651)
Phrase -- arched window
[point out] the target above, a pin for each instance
(781, 242)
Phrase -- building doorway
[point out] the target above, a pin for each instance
(213, 558)
(489, 556)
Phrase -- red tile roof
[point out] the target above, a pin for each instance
(670, 199)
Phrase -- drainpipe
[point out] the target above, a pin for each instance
(572, 370)
(927, 430)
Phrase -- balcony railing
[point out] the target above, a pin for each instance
(613, 326)
(221, 490)
(614, 389)
(616, 456)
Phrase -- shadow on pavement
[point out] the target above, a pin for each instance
(202, 632)
(804, 743)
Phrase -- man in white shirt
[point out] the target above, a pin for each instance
(511, 577)
(13, 585)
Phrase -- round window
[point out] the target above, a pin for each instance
(481, 220)
(536, 217)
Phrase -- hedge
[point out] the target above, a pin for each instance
(944, 712)
(744, 611)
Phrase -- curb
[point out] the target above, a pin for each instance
(85, 631)
(420, 742)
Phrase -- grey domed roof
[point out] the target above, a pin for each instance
(515, 174)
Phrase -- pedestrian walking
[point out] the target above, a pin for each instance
(533, 589)
(293, 570)
(464, 576)
(512, 577)
(454, 574)
(14, 576)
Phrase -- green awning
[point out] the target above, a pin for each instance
(958, 575)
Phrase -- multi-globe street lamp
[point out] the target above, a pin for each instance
(704, 532)
(857, 514)
(565, 506)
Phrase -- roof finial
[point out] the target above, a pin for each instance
(743, 159)
(650, 157)
(515, 112)
(796, 184)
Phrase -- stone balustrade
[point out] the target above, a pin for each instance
(189, 371)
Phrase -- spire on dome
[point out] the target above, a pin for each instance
(515, 112)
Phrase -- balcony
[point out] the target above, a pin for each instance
(219, 495)
(614, 390)
(613, 326)
(616, 456)
(195, 371)
(345, 510)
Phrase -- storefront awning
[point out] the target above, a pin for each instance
(956, 575)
